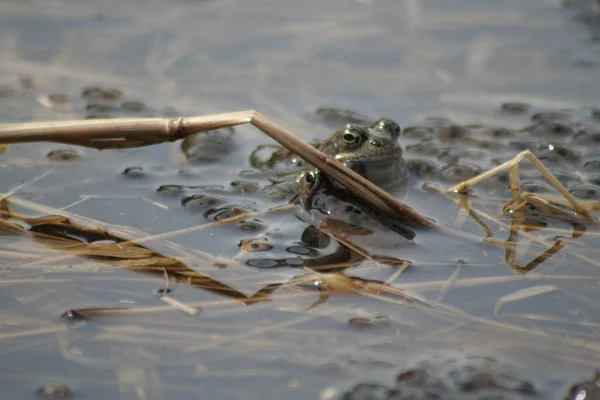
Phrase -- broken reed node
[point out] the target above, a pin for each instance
(136, 132)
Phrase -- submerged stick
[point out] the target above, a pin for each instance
(135, 132)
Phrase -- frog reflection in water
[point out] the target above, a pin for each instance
(370, 150)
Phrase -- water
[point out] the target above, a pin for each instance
(411, 61)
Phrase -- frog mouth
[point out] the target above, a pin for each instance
(376, 159)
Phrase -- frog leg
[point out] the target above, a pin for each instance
(512, 166)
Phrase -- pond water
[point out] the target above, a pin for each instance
(472, 83)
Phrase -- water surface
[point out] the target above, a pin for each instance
(409, 60)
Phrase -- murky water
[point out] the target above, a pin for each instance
(428, 65)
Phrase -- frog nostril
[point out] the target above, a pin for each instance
(376, 143)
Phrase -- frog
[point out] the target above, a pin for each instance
(324, 202)
(372, 150)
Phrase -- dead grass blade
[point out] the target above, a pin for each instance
(512, 166)
(518, 228)
(114, 246)
(522, 294)
(450, 283)
(24, 184)
(339, 284)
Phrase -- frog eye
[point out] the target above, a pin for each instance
(311, 179)
(255, 244)
(350, 138)
(387, 125)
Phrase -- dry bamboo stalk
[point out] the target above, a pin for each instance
(134, 132)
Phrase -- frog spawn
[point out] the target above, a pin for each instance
(441, 151)
(278, 247)
(94, 102)
(260, 249)
(109, 103)
(215, 202)
(467, 377)
(472, 377)
(354, 144)
(456, 153)
(563, 158)
(557, 159)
